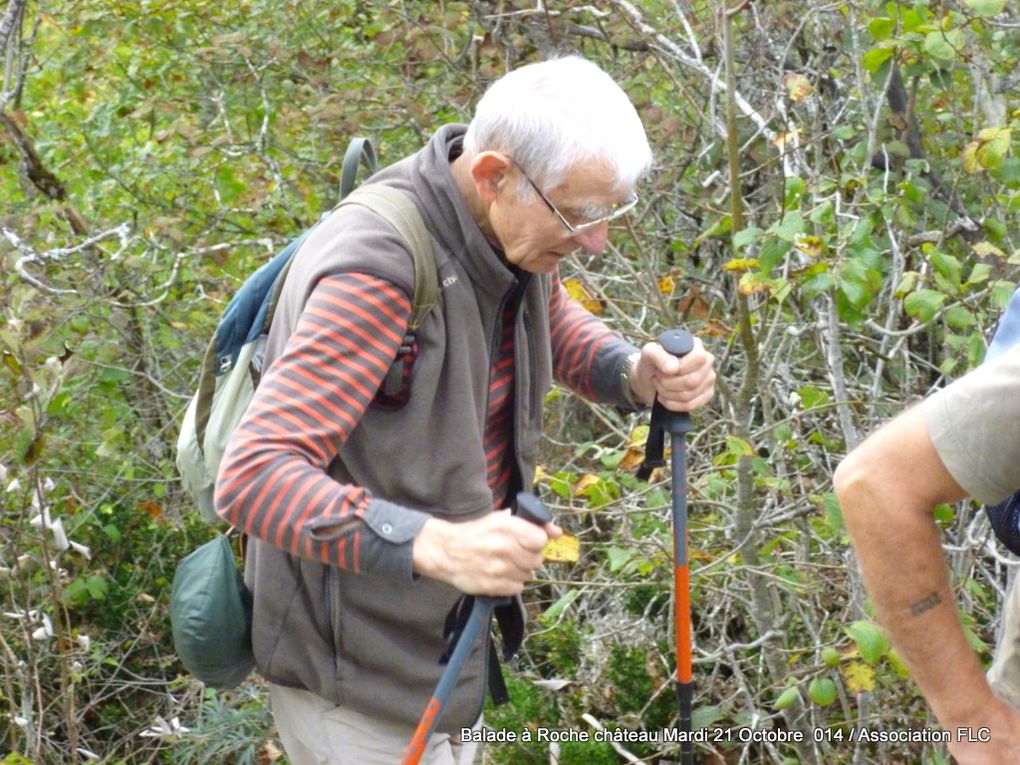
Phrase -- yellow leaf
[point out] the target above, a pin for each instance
(986, 249)
(566, 549)
(741, 264)
(752, 284)
(587, 481)
(632, 458)
(994, 146)
(782, 140)
(798, 86)
(715, 328)
(153, 509)
(970, 159)
(809, 245)
(859, 677)
(638, 437)
(579, 292)
(666, 285)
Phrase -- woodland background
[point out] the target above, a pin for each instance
(834, 210)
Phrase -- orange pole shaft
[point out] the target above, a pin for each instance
(416, 747)
(682, 590)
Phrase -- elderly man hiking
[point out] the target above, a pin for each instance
(371, 512)
(961, 441)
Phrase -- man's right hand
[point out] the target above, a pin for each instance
(1000, 724)
(493, 555)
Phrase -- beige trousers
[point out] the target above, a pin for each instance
(1004, 674)
(317, 732)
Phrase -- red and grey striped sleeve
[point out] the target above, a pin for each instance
(587, 355)
(273, 482)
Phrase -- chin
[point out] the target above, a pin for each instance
(544, 264)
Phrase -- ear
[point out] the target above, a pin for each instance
(489, 171)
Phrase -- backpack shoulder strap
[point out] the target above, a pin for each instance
(401, 213)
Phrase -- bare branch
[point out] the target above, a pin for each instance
(15, 8)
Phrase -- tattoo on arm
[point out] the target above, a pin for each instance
(928, 603)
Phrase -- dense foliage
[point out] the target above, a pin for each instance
(833, 209)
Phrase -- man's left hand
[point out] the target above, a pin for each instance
(681, 384)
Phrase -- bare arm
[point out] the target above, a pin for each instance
(888, 488)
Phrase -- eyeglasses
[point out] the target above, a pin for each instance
(597, 216)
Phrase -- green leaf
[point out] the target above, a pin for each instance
(746, 236)
(704, 717)
(739, 447)
(896, 662)
(923, 304)
(870, 640)
(845, 132)
(613, 458)
(554, 611)
(560, 484)
(97, 587)
(980, 273)
(787, 698)
(771, 253)
(823, 213)
(947, 265)
(817, 284)
(833, 512)
(857, 291)
(1009, 173)
(822, 691)
(986, 8)
(944, 44)
(718, 228)
(1001, 292)
(943, 513)
(875, 58)
(881, 28)
(811, 397)
(789, 227)
(619, 557)
(959, 317)
(794, 191)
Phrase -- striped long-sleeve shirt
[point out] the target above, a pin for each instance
(273, 482)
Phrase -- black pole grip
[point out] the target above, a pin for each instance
(532, 509)
(684, 697)
(677, 341)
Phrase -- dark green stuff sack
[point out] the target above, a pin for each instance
(210, 614)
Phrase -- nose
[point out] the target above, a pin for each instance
(595, 240)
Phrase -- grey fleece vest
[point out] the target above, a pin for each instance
(374, 643)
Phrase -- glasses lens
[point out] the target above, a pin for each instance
(619, 211)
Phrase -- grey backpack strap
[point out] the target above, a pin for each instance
(401, 213)
(358, 150)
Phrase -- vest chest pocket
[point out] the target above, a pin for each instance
(395, 390)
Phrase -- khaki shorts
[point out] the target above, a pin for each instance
(1004, 674)
(317, 732)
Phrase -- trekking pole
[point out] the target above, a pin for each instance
(530, 508)
(677, 424)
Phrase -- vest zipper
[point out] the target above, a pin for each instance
(529, 338)
(333, 619)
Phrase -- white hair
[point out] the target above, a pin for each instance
(553, 116)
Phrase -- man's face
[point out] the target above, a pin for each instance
(531, 234)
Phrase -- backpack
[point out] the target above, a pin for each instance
(232, 365)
